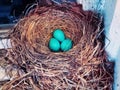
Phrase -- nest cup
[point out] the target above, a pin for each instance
(40, 29)
(81, 68)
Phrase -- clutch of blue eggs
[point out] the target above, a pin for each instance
(59, 42)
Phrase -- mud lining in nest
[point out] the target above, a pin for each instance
(84, 67)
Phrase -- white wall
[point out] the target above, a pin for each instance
(96, 5)
(5, 43)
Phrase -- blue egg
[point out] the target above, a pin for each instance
(66, 45)
(54, 45)
(59, 35)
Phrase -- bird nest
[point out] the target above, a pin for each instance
(84, 67)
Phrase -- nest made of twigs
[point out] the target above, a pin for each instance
(81, 68)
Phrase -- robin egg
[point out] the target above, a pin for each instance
(54, 45)
(66, 45)
(59, 35)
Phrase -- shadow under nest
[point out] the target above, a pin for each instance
(84, 67)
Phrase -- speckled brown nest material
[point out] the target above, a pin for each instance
(84, 67)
